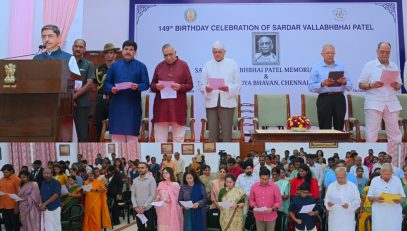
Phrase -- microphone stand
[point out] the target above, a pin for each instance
(40, 48)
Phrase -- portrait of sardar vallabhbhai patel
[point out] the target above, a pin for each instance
(265, 49)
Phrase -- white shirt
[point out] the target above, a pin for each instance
(180, 165)
(318, 172)
(256, 169)
(379, 98)
(339, 218)
(386, 216)
(245, 182)
(365, 171)
(229, 71)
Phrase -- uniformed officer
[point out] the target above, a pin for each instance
(102, 101)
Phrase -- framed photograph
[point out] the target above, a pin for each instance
(111, 148)
(64, 150)
(209, 147)
(323, 145)
(265, 48)
(167, 148)
(188, 149)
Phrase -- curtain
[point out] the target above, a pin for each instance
(130, 151)
(21, 28)
(61, 14)
(44, 152)
(89, 151)
(20, 154)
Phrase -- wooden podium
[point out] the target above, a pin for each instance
(38, 107)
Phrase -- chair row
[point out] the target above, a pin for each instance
(270, 110)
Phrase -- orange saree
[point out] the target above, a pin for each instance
(96, 211)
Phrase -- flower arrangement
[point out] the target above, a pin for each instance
(300, 122)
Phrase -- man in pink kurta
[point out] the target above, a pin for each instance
(170, 109)
(265, 198)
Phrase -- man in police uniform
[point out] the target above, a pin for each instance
(81, 96)
(102, 101)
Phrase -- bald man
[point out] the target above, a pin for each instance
(81, 98)
(381, 101)
(331, 103)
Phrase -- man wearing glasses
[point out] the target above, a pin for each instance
(171, 82)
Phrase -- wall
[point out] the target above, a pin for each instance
(105, 21)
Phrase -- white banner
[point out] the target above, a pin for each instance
(297, 31)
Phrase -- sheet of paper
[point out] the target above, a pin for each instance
(389, 76)
(64, 190)
(168, 92)
(158, 203)
(15, 197)
(87, 188)
(225, 204)
(307, 208)
(78, 85)
(261, 209)
(336, 200)
(143, 218)
(388, 197)
(215, 83)
(2, 193)
(186, 204)
(123, 86)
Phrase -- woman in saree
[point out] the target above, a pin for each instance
(231, 218)
(193, 190)
(404, 184)
(217, 185)
(74, 195)
(30, 214)
(169, 216)
(96, 211)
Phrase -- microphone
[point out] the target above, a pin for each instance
(40, 48)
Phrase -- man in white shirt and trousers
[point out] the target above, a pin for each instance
(220, 103)
(386, 216)
(342, 199)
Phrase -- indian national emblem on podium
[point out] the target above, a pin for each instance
(10, 79)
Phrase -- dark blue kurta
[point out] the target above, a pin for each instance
(125, 106)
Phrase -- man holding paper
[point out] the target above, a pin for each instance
(329, 79)
(125, 80)
(220, 84)
(265, 198)
(143, 192)
(9, 184)
(381, 80)
(342, 199)
(386, 193)
(171, 82)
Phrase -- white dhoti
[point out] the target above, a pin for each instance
(386, 216)
(51, 220)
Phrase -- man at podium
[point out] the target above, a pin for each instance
(50, 37)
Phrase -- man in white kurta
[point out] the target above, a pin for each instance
(381, 101)
(386, 216)
(220, 101)
(342, 199)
